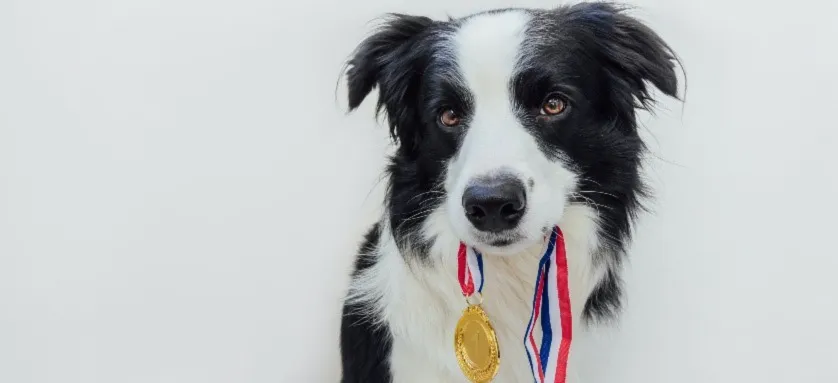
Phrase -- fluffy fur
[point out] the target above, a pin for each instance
(581, 170)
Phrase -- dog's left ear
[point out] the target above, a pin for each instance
(633, 53)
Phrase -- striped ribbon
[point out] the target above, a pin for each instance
(551, 307)
(469, 270)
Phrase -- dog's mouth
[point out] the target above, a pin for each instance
(504, 238)
(503, 243)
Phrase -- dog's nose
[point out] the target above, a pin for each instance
(495, 204)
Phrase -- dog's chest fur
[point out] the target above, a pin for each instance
(420, 302)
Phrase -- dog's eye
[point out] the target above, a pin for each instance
(553, 105)
(449, 118)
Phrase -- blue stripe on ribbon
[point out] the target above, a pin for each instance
(480, 268)
(546, 329)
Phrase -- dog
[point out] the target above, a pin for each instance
(506, 123)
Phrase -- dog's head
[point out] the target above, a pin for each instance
(504, 118)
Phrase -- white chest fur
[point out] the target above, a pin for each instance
(421, 302)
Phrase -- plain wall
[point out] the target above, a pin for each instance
(181, 192)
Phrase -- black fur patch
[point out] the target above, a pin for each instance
(364, 345)
(604, 303)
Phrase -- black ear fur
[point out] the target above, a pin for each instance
(633, 52)
(364, 70)
(385, 60)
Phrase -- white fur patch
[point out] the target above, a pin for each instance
(488, 54)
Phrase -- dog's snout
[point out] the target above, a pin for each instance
(495, 204)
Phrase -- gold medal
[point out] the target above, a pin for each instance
(476, 345)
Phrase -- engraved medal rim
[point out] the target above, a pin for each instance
(489, 372)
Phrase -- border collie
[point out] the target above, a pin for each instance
(506, 123)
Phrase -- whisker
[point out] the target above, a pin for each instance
(598, 192)
(589, 180)
(420, 195)
(420, 214)
(590, 202)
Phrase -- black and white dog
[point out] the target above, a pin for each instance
(507, 123)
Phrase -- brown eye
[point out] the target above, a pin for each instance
(449, 118)
(554, 105)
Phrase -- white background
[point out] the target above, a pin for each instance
(181, 192)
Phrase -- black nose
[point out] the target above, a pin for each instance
(495, 204)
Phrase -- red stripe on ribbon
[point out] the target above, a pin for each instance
(564, 307)
(463, 272)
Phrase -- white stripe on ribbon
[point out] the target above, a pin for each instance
(474, 268)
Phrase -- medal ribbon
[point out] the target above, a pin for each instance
(550, 306)
(469, 270)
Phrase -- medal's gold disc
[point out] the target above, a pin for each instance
(476, 345)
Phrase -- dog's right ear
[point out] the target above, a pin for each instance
(372, 63)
